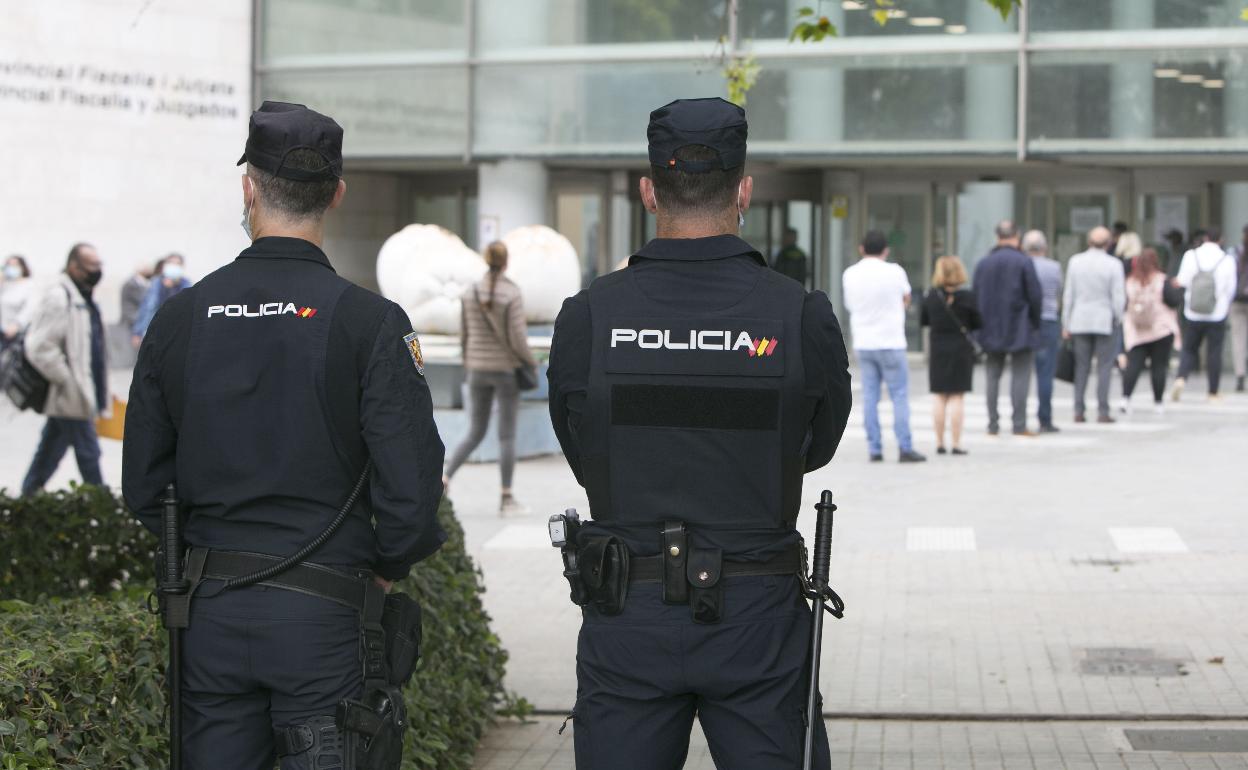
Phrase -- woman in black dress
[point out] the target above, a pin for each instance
(951, 313)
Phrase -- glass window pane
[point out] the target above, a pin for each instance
(1138, 100)
(417, 112)
(508, 24)
(299, 28)
(928, 103)
(1082, 15)
(572, 109)
(931, 103)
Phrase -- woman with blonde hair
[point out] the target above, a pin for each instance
(951, 313)
(495, 344)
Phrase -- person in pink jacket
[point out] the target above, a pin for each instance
(1150, 326)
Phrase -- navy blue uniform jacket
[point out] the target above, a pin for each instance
(705, 274)
(262, 391)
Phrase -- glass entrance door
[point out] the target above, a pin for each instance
(905, 218)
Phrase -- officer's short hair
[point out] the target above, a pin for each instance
(296, 199)
(874, 243)
(708, 191)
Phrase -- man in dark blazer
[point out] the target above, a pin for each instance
(1010, 300)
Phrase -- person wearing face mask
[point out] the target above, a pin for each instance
(171, 280)
(65, 343)
(15, 304)
(268, 392)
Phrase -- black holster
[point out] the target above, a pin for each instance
(603, 563)
(390, 646)
(706, 594)
(692, 576)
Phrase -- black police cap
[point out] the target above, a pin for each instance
(279, 128)
(713, 122)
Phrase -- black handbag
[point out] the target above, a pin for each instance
(526, 376)
(20, 381)
(1065, 369)
(977, 352)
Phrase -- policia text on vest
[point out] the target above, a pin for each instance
(690, 393)
(291, 409)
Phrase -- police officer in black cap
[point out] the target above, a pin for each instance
(690, 392)
(268, 391)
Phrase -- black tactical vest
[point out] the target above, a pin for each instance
(696, 417)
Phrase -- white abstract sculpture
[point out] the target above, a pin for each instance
(545, 266)
(426, 268)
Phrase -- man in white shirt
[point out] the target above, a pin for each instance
(1208, 274)
(877, 294)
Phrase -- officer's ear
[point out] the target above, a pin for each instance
(744, 193)
(249, 191)
(648, 198)
(339, 194)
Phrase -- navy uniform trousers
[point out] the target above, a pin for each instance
(258, 658)
(642, 675)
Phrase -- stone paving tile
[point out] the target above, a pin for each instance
(963, 633)
(884, 745)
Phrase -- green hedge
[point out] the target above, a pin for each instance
(81, 679)
(78, 542)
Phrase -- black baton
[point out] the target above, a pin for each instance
(173, 585)
(820, 592)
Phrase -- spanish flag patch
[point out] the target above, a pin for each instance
(413, 347)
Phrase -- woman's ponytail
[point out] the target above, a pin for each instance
(496, 259)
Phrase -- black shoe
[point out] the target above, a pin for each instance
(1050, 428)
(1239, 384)
(911, 457)
(993, 430)
(940, 450)
(959, 451)
(877, 458)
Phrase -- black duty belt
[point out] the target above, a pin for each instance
(313, 579)
(649, 569)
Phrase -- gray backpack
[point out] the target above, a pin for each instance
(1202, 295)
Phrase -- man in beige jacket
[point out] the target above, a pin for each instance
(65, 342)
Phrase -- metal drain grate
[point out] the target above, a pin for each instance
(1201, 741)
(1128, 661)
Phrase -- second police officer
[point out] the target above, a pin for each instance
(690, 393)
(268, 391)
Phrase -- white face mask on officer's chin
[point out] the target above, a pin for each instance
(246, 221)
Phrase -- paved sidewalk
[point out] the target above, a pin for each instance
(897, 745)
(1100, 573)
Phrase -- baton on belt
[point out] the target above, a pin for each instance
(173, 587)
(819, 593)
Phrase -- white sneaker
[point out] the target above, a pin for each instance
(1176, 392)
(1159, 408)
(510, 506)
(1124, 406)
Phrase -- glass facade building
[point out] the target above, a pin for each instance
(930, 127)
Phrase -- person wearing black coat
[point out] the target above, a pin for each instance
(952, 314)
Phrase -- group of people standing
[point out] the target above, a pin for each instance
(1115, 306)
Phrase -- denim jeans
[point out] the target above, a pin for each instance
(889, 367)
(1046, 367)
(58, 435)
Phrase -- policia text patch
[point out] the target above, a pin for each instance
(748, 347)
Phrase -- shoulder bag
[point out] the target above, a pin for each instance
(977, 352)
(526, 376)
